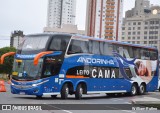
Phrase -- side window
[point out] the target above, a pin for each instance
(115, 48)
(136, 53)
(47, 70)
(94, 47)
(145, 54)
(153, 55)
(59, 43)
(78, 46)
(55, 44)
(102, 49)
(108, 49)
(118, 48)
(51, 66)
(128, 52)
(128, 72)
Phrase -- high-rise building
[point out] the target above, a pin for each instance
(16, 38)
(61, 12)
(143, 25)
(141, 7)
(104, 18)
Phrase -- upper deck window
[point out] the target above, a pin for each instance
(94, 47)
(59, 43)
(78, 46)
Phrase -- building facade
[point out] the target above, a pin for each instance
(104, 18)
(67, 28)
(142, 26)
(61, 12)
(16, 38)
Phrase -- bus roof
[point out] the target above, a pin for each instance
(118, 42)
(96, 39)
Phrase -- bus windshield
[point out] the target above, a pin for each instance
(25, 70)
(33, 44)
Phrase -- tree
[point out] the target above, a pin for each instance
(8, 63)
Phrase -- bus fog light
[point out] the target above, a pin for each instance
(12, 84)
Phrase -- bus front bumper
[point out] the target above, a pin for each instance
(26, 90)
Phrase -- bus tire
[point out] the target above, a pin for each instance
(53, 96)
(65, 91)
(39, 96)
(110, 94)
(133, 90)
(159, 89)
(79, 92)
(142, 89)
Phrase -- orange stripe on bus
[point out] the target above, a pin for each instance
(75, 76)
(39, 55)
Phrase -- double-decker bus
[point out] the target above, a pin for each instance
(52, 64)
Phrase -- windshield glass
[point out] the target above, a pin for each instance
(33, 44)
(25, 70)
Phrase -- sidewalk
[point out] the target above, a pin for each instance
(147, 102)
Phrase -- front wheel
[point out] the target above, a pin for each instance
(110, 94)
(53, 96)
(39, 96)
(133, 90)
(79, 92)
(65, 91)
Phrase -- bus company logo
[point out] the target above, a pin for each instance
(95, 61)
(25, 56)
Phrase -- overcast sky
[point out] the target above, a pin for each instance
(30, 16)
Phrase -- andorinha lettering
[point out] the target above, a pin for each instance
(98, 73)
(25, 56)
(95, 61)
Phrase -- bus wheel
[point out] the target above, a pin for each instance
(110, 94)
(38, 96)
(142, 89)
(53, 96)
(79, 92)
(159, 89)
(64, 91)
(133, 90)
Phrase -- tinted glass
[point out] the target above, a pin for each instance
(78, 46)
(153, 55)
(59, 43)
(94, 47)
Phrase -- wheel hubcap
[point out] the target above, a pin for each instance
(67, 91)
(142, 89)
(133, 90)
(81, 91)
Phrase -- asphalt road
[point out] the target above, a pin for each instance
(96, 99)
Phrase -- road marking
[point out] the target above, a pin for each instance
(117, 99)
(58, 108)
(127, 103)
(128, 111)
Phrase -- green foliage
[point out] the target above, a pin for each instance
(8, 63)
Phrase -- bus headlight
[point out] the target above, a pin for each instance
(12, 84)
(34, 85)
